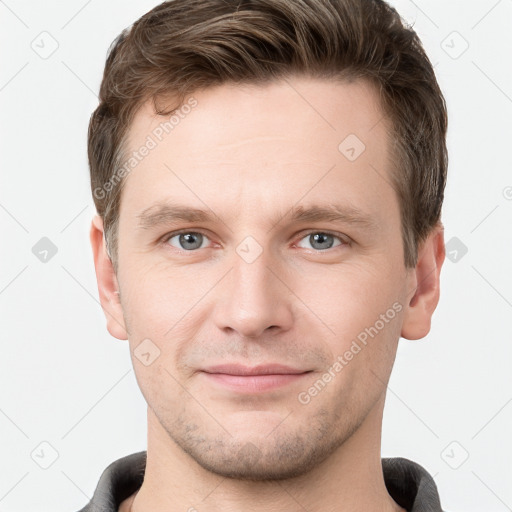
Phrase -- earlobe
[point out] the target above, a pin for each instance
(107, 282)
(424, 292)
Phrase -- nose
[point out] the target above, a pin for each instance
(253, 299)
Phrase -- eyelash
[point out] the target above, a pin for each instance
(340, 236)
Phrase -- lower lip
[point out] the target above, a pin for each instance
(253, 383)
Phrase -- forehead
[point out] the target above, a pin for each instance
(229, 112)
(254, 147)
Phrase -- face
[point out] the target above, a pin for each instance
(270, 322)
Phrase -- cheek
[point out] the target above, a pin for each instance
(363, 309)
(350, 299)
(157, 300)
(161, 387)
(164, 318)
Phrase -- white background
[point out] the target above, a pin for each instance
(65, 381)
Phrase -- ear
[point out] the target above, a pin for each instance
(107, 282)
(423, 285)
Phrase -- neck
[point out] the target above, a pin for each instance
(351, 479)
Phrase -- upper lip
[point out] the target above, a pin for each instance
(263, 369)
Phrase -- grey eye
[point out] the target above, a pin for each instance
(321, 241)
(188, 241)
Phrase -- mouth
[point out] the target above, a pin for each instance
(255, 379)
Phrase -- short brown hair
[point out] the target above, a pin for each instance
(182, 46)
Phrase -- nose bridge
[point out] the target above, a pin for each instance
(254, 299)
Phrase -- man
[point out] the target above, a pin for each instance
(268, 177)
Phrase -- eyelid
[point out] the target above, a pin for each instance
(344, 239)
(172, 234)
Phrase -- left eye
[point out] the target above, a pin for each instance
(322, 240)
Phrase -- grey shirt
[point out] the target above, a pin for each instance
(408, 483)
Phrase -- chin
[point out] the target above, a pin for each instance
(261, 457)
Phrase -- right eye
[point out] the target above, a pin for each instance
(186, 240)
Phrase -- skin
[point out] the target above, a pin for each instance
(250, 154)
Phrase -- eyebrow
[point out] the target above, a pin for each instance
(164, 213)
